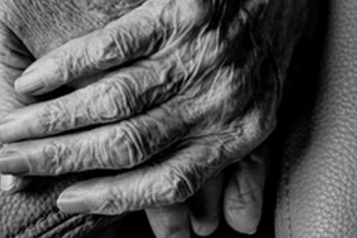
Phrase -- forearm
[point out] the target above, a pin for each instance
(317, 195)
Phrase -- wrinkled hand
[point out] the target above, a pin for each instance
(194, 101)
(240, 194)
(188, 97)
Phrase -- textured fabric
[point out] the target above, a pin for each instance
(33, 213)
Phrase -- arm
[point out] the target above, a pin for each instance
(317, 194)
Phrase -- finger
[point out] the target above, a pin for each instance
(13, 184)
(170, 182)
(115, 97)
(134, 35)
(243, 197)
(117, 146)
(170, 222)
(205, 207)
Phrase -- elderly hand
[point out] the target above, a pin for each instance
(191, 100)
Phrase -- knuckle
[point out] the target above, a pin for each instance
(108, 107)
(103, 49)
(59, 63)
(245, 135)
(258, 126)
(192, 11)
(54, 159)
(179, 188)
(51, 118)
(122, 146)
(115, 100)
(115, 202)
(180, 15)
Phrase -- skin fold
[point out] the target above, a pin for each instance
(179, 94)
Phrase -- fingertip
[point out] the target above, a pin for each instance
(243, 201)
(41, 77)
(93, 196)
(205, 229)
(29, 83)
(17, 85)
(246, 220)
(243, 211)
(80, 197)
(70, 203)
(8, 182)
(12, 184)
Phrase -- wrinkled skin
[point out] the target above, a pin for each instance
(210, 107)
(34, 213)
(260, 114)
(240, 209)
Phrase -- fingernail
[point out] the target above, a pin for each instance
(252, 232)
(8, 182)
(181, 233)
(70, 203)
(29, 83)
(14, 164)
(205, 228)
(202, 231)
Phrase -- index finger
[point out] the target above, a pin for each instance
(134, 35)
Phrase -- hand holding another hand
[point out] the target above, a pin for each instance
(191, 88)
